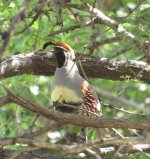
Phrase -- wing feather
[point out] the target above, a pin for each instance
(90, 98)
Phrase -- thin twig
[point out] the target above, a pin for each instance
(110, 106)
(103, 151)
(7, 35)
(74, 148)
(92, 153)
(41, 131)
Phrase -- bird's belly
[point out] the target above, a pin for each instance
(63, 94)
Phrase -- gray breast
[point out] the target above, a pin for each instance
(68, 76)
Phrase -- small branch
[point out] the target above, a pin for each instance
(134, 9)
(73, 27)
(73, 148)
(59, 20)
(96, 44)
(4, 100)
(103, 151)
(38, 13)
(92, 153)
(67, 118)
(41, 131)
(122, 51)
(63, 30)
(123, 110)
(8, 33)
(44, 63)
(122, 101)
(103, 19)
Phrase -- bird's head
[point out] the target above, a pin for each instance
(62, 51)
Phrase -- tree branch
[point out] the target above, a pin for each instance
(100, 18)
(73, 148)
(122, 101)
(4, 100)
(44, 63)
(103, 151)
(41, 131)
(66, 118)
(8, 33)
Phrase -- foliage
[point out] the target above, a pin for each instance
(134, 17)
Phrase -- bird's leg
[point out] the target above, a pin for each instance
(56, 104)
(83, 132)
(82, 138)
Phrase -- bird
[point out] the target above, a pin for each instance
(70, 92)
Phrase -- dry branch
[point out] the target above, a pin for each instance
(46, 154)
(7, 34)
(100, 18)
(67, 118)
(74, 148)
(43, 63)
(103, 19)
(41, 131)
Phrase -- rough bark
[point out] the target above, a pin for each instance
(44, 63)
(47, 153)
(68, 118)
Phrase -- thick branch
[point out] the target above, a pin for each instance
(43, 63)
(67, 118)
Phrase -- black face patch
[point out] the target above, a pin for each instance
(60, 56)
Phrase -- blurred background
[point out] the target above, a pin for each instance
(130, 99)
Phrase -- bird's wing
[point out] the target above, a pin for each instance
(90, 98)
